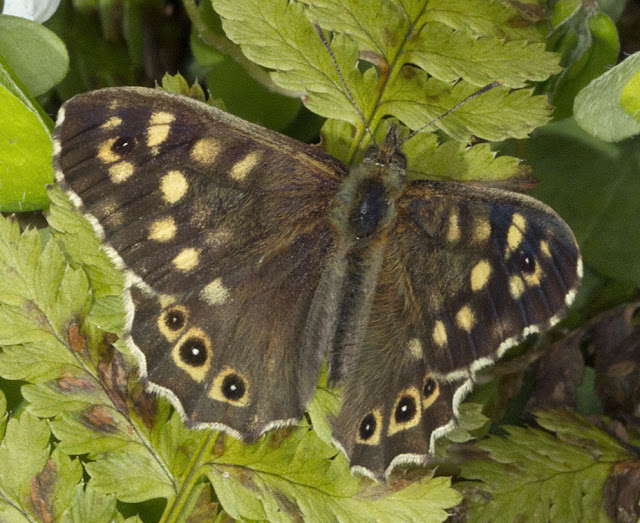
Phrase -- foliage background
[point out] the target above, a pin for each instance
(81, 440)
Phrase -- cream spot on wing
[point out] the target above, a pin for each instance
(544, 248)
(481, 230)
(166, 300)
(61, 116)
(163, 230)
(535, 277)
(105, 207)
(111, 123)
(514, 236)
(173, 186)
(215, 293)
(579, 268)
(216, 238)
(435, 301)
(114, 219)
(516, 286)
(159, 127)
(480, 275)
(453, 233)
(439, 334)
(571, 295)
(120, 172)
(206, 150)
(105, 153)
(242, 168)
(415, 348)
(465, 318)
(187, 259)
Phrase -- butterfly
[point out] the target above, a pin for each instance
(250, 258)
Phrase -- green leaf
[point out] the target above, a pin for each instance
(588, 41)
(38, 57)
(532, 475)
(23, 453)
(12, 83)
(630, 96)
(94, 61)
(299, 477)
(606, 107)
(38, 300)
(416, 68)
(25, 156)
(53, 489)
(43, 301)
(324, 405)
(470, 419)
(455, 161)
(131, 474)
(78, 238)
(89, 505)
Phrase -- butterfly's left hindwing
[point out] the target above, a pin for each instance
(467, 273)
(222, 229)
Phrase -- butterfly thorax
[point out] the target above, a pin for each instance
(365, 204)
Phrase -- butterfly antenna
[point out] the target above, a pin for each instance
(323, 38)
(480, 91)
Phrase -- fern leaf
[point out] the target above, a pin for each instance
(535, 475)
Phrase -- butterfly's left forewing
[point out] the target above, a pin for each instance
(222, 229)
(467, 273)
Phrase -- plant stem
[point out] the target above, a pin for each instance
(175, 507)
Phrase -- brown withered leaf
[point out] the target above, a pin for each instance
(144, 403)
(69, 383)
(123, 386)
(42, 491)
(77, 341)
(219, 446)
(528, 14)
(622, 492)
(558, 376)
(205, 509)
(101, 420)
(615, 345)
(113, 375)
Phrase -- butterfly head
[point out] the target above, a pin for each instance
(388, 154)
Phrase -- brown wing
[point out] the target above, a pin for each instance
(467, 273)
(222, 228)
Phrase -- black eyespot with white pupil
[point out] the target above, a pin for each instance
(406, 409)
(429, 387)
(124, 144)
(368, 427)
(194, 352)
(526, 261)
(174, 319)
(233, 387)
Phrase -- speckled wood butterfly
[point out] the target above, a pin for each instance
(250, 257)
